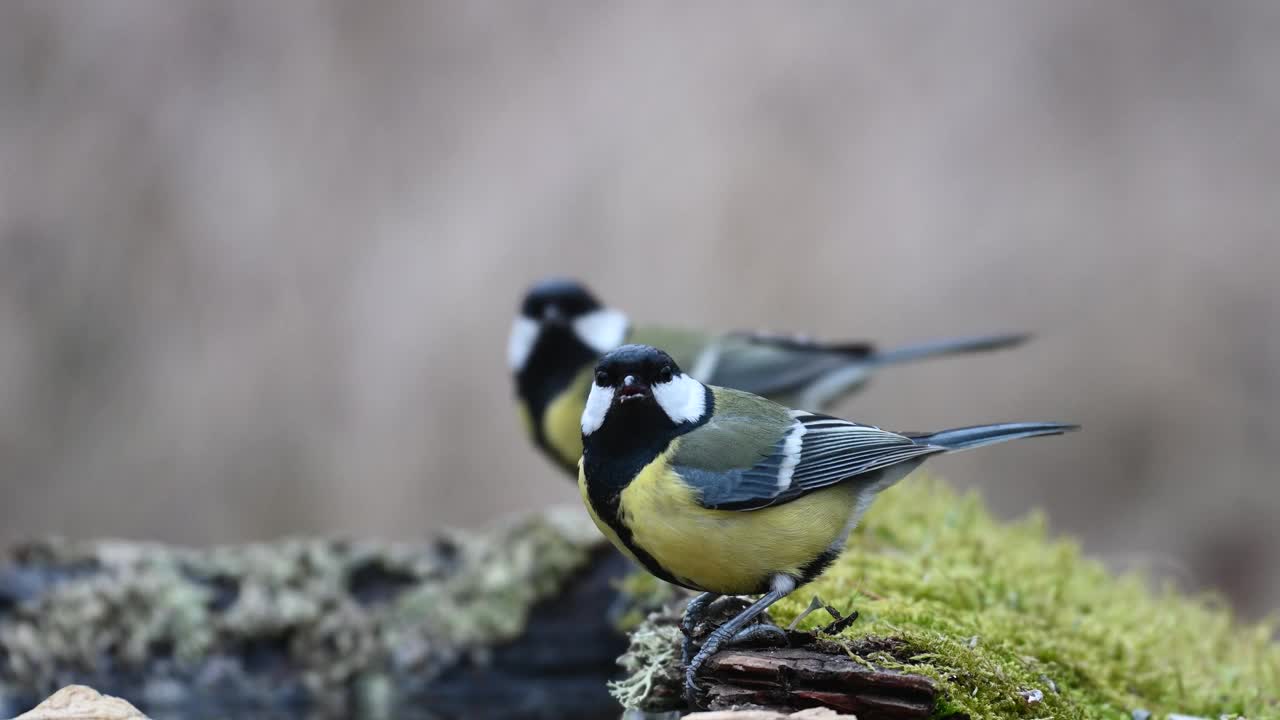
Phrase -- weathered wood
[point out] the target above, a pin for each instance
(808, 714)
(795, 678)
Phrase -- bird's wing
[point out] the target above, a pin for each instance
(760, 363)
(773, 364)
(806, 452)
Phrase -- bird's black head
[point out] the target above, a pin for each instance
(640, 401)
(561, 326)
(560, 331)
(558, 300)
(643, 386)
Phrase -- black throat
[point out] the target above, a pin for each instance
(612, 456)
(558, 356)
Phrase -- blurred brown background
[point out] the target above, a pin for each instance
(258, 260)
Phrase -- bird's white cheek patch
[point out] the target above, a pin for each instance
(683, 399)
(598, 403)
(524, 334)
(602, 330)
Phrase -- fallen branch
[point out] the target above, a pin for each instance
(512, 624)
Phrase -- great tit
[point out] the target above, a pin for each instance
(728, 493)
(562, 329)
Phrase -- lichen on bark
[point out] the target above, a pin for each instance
(287, 622)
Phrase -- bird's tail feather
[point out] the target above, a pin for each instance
(950, 346)
(979, 435)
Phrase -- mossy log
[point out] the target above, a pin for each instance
(807, 672)
(519, 623)
(961, 615)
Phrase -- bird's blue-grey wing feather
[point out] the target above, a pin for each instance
(814, 451)
(772, 365)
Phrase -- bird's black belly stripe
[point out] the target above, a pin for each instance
(817, 566)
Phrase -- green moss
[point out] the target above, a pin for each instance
(996, 611)
(1009, 622)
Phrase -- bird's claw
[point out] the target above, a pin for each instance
(693, 612)
(691, 687)
(766, 634)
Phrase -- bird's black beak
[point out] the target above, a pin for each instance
(633, 389)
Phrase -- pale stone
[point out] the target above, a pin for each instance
(78, 702)
(809, 714)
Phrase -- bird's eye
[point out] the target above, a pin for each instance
(602, 378)
(664, 375)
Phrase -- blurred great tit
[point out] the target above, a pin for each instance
(728, 493)
(562, 330)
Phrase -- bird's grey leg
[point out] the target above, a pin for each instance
(760, 634)
(692, 612)
(782, 585)
(716, 603)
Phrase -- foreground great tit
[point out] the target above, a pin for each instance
(728, 493)
(562, 330)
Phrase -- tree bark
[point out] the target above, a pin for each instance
(790, 679)
(515, 624)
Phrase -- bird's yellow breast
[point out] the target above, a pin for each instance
(725, 551)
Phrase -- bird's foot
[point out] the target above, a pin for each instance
(691, 685)
(693, 612)
(764, 633)
(781, 585)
